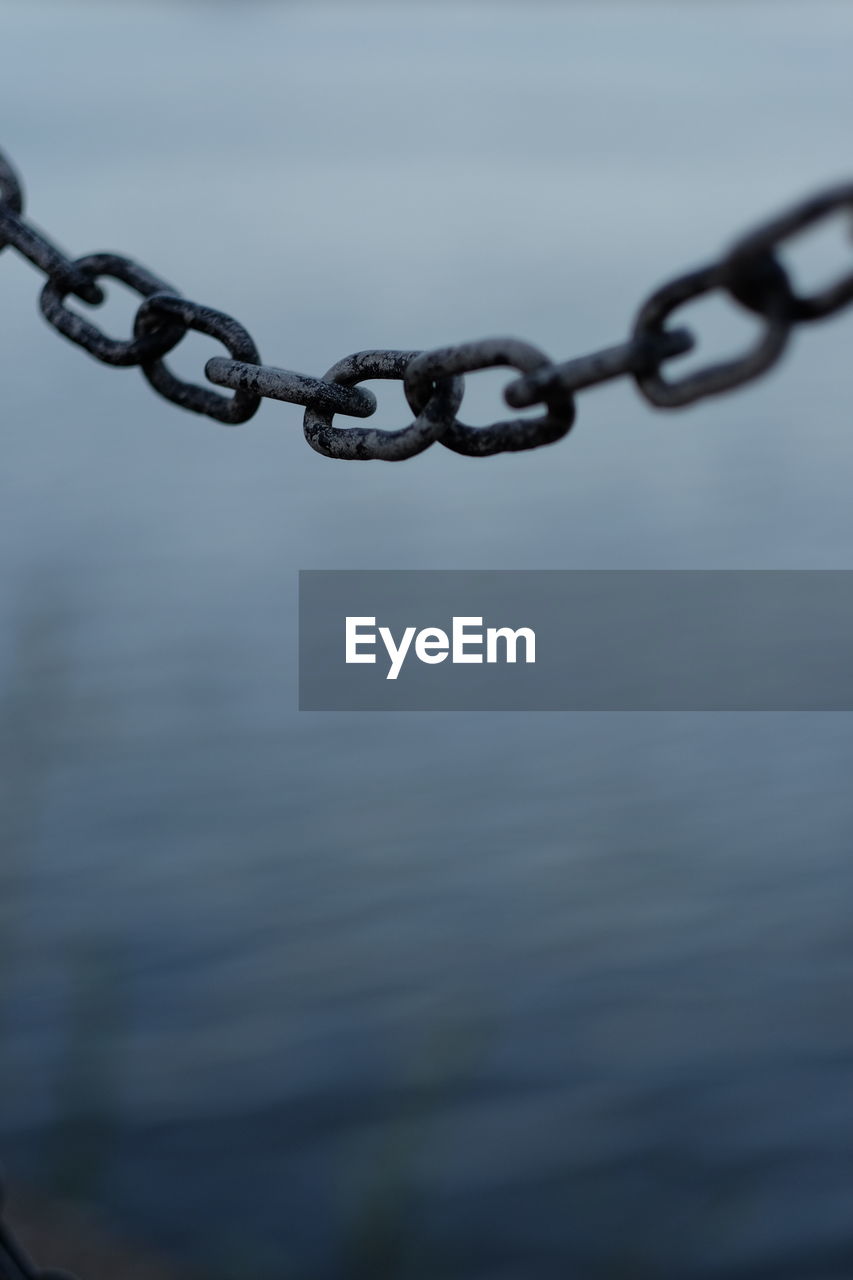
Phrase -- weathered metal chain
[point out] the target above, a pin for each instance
(750, 274)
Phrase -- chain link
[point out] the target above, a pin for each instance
(81, 331)
(714, 378)
(159, 314)
(763, 242)
(432, 414)
(501, 437)
(750, 274)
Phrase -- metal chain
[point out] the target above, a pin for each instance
(750, 274)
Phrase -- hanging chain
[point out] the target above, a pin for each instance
(750, 274)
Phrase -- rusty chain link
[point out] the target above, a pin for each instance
(750, 274)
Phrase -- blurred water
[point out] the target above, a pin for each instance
(503, 996)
